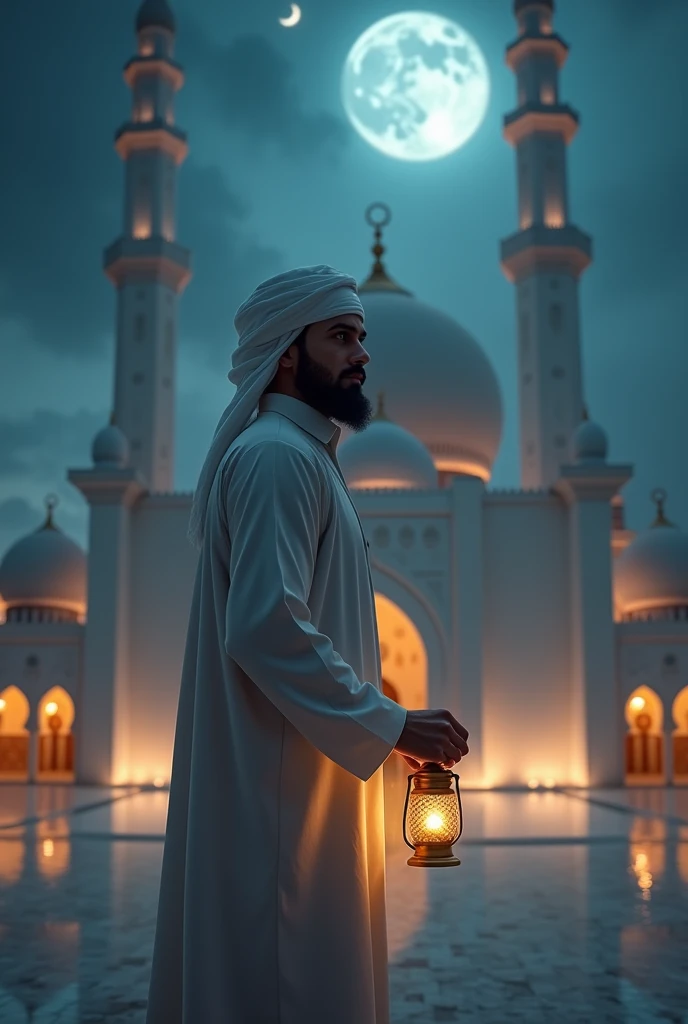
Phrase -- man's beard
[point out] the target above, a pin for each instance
(345, 403)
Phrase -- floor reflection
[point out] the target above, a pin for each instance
(565, 908)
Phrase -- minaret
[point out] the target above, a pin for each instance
(146, 265)
(548, 254)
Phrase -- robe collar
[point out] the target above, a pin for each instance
(304, 415)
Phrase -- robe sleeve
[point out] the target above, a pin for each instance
(274, 512)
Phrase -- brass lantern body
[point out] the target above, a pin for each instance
(433, 819)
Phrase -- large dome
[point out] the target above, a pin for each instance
(45, 570)
(651, 574)
(386, 456)
(438, 382)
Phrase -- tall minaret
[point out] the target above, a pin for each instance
(146, 265)
(548, 254)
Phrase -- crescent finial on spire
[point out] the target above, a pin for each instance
(378, 279)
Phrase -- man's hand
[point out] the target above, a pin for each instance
(432, 735)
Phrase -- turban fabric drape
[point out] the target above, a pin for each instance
(267, 323)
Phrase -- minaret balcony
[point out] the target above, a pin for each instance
(542, 248)
(536, 45)
(154, 64)
(526, 120)
(157, 134)
(148, 259)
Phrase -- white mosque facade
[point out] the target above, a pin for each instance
(558, 637)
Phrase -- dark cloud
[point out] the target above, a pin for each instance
(45, 443)
(18, 516)
(254, 89)
(61, 183)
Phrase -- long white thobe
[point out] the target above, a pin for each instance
(272, 893)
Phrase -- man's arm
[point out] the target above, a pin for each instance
(273, 514)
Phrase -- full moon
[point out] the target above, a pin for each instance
(415, 86)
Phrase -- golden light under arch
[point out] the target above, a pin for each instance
(403, 654)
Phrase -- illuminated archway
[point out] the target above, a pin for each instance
(645, 738)
(14, 736)
(404, 679)
(55, 737)
(679, 713)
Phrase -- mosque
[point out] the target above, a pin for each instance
(557, 636)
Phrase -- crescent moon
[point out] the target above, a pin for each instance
(293, 19)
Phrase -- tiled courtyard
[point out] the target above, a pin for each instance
(568, 906)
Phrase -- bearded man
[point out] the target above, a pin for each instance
(272, 893)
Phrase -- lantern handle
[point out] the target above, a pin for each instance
(458, 797)
(406, 803)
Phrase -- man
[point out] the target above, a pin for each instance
(272, 894)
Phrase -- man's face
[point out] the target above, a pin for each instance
(329, 370)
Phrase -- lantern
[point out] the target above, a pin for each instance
(432, 817)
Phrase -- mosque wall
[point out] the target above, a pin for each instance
(527, 698)
(162, 567)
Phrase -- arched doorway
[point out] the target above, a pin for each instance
(14, 736)
(405, 680)
(55, 737)
(645, 738)
(679, 713)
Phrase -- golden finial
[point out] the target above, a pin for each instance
(51, 502)
(659, 496)
(380, 413)
(378, 279)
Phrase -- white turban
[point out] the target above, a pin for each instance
(267, 323)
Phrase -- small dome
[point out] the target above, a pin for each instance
(110, 447)
(45, 569)
(155, 14)
(651, 574)
(386, 456)
(589, 442)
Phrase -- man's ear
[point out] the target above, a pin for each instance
(288, 360)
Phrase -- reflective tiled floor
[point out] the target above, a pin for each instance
(567, 907)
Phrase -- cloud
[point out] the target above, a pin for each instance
(45, 442)
(253, 87)
(62, 184)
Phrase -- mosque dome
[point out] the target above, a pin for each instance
(589, 442)
(386, 455)
(110, 447)
(155, 14)
(45, 571)
(651, 574)
(438, 382)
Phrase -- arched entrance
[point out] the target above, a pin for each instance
(679, 713)
(405, 680)
(645, 738)
(14, 736)
(55, 738)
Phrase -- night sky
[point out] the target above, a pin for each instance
(276, 177)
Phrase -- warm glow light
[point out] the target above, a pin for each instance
(533, 783)
(550, 783)
(637, 703)
(142, 227)
(51, 708)
(48, 847)
(434, 821)
(3, 703)
(547, 94)
(554, 215)
(158, 781)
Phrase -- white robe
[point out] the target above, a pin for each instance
(272, 893)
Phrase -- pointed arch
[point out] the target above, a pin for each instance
(55, 737)
(644, 713)
(679, 738)
(14, 736)
(417, 608)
